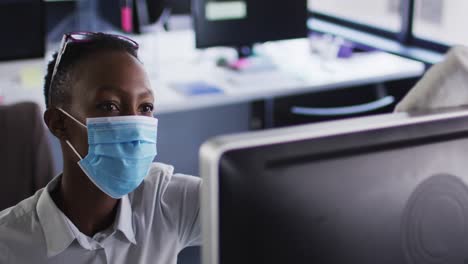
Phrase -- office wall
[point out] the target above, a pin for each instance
(181, 134)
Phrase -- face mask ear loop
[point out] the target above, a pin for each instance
(74, 150)
(81, 124)
(70, 116)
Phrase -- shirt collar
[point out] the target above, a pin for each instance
(123, 221)
(57, 233)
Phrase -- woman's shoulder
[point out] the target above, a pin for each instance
(161, 179)
(173, 195)
(160, 172)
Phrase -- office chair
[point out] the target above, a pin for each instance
(25, 156)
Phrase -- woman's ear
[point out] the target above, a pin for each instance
(55, 121)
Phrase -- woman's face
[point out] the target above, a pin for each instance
(107, 84)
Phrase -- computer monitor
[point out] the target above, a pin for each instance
(242, 23)
(387, 189)
(22, 29)
(179, 7)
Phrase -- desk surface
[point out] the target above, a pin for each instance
(171, 58)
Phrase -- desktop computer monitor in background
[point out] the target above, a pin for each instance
(179, 6)
(242, 23)
(386, 189)
(22, 29)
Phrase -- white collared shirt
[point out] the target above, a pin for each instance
(152, 225)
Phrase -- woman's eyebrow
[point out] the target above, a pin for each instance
(147, 93)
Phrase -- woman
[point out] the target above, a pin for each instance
(111, 204)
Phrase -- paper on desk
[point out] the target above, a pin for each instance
(445, 85)
(195, 88)
(31, 77)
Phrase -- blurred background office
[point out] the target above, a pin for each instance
(222, 66)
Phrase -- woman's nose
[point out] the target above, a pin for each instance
(129, 111)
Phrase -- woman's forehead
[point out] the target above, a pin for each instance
(112, 72)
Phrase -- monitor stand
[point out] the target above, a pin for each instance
(249, 62)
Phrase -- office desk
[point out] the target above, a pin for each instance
(170, 58)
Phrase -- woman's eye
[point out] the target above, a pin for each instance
(108, 107)
(147, 108)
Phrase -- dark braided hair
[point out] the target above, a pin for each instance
(59, 93)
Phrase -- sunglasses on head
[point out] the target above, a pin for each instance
(83, 37)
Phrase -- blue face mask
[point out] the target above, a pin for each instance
(121, 150)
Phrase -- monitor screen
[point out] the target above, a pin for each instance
(388, 189)
(22, 29)
(179, 6)
(381, 14)
(441, 21)
(246, 22)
